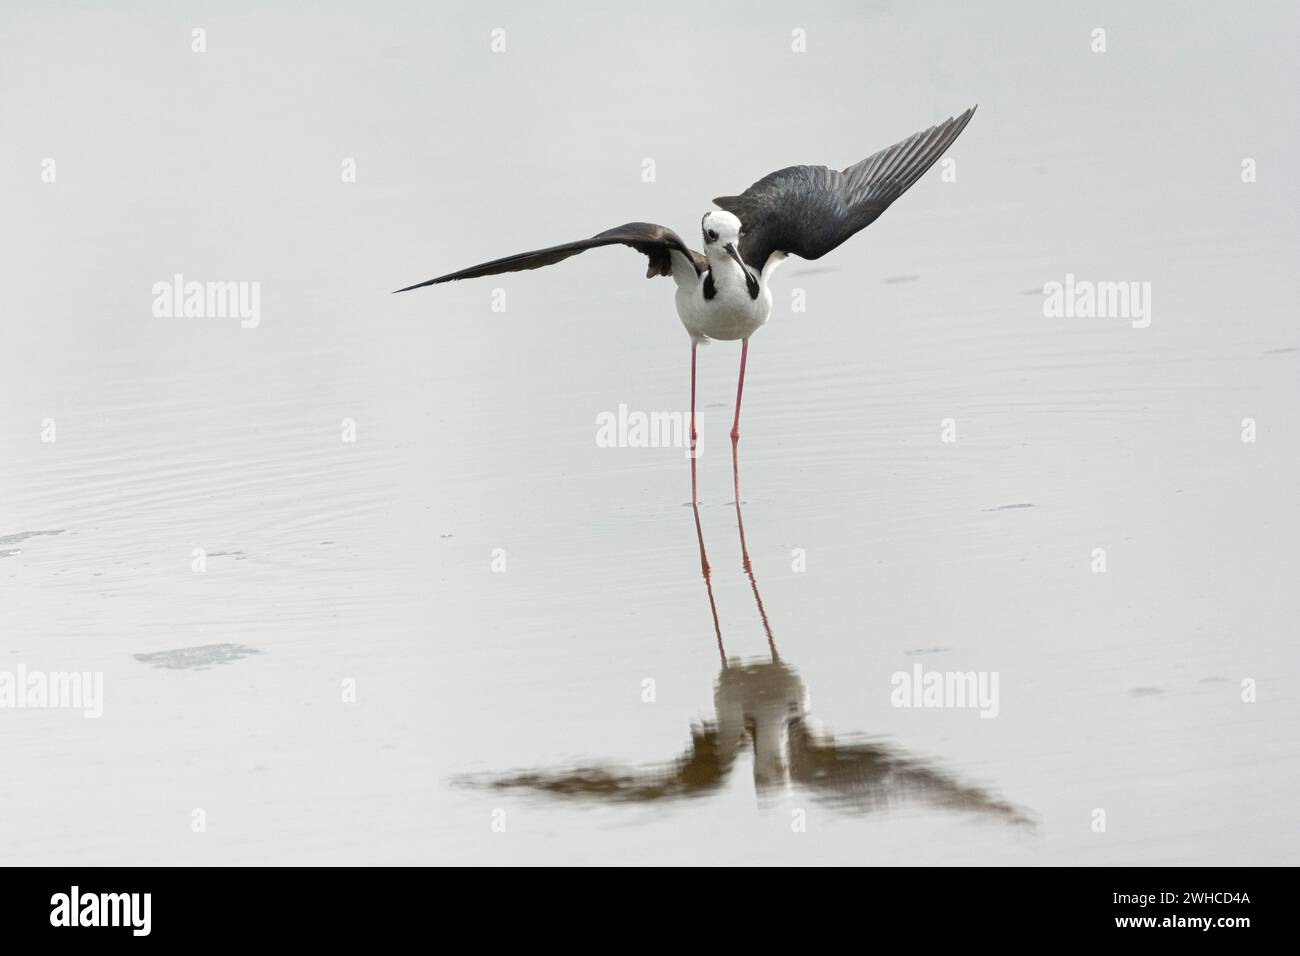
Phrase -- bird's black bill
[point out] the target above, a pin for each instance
(731, 250)
(751, 283)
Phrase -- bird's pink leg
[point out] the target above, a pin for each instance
(694, 347)
(695, 496)
(740, 389)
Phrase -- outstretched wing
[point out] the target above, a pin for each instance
(809, 210)
(657, 243)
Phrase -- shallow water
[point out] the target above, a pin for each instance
(474, 635)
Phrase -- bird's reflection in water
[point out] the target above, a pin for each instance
(762, 706)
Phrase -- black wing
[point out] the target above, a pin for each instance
(809, 210)
(655, 242)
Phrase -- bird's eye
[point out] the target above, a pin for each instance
(713, 235)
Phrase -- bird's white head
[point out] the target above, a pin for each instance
(721, 235)
(720, 228)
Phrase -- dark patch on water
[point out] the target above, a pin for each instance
(1011, 507)
(197, 658)
(1147, 691)
(891, 280)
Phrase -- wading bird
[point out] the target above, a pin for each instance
(804, 211)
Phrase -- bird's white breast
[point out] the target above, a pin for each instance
(731, 313)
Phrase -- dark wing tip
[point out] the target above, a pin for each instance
(950, 128)
(447, 278)
(418, 285)
(957, 123)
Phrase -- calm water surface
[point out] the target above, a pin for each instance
(541, 671)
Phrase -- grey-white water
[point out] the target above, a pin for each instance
(494, 588)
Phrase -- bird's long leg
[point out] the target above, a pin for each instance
(740, 389)
(694, 348)
(694, 493)
(704, 569)
(744, 552)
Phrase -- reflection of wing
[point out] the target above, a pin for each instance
(867, 776)
(700, 770)
(656, 243)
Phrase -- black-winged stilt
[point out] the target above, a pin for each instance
(804, 211)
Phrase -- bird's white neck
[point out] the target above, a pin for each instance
(723, 267)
